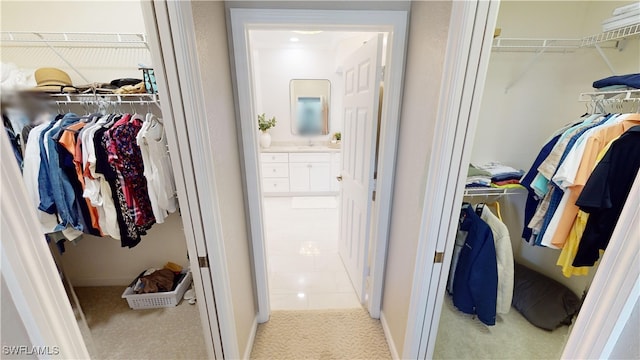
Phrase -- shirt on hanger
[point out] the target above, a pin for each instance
(504, 260)
(532, 199)
(568, 253)
(48, 222)
(476, 279)
(157, 168)
(605, 194)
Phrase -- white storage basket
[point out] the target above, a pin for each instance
(157, 300)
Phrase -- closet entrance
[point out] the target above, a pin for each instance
(533, 268)
(316, 188)
(116, 201)
(353, 111)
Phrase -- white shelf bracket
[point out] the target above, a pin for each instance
(605, 58)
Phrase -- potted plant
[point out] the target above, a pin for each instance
(264, 125)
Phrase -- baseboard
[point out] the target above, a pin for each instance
(252, 338)
(102, 281)
(387, 335)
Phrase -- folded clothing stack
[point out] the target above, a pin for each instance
(493, 174)
(623, 16)
(618, 82)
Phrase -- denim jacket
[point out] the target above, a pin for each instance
(47, 203)
(63, 193)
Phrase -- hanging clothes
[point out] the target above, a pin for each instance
(475, 283)
(157, 168)
(87, 175)
(605, 194)
(563, 221)
(504, 257)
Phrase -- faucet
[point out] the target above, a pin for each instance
(311, 143)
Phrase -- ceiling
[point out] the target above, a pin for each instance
(269, 39)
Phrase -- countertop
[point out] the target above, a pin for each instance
(300, 149)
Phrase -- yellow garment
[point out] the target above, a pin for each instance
(508, 186)
(570, 248)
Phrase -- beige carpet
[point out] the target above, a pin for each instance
(320, 334)
(121, 333)
(461, 336)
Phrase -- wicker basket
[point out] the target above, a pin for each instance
(157, 300)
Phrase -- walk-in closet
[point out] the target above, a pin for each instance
(81, 106)
(531, 229)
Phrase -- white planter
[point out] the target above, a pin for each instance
(265, 140)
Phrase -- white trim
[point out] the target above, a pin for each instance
(191, 93)
(172, 38)
(468, 49)
(252, 339)
(394, 22)
(387, 334)
(29, 270)
(614, 290)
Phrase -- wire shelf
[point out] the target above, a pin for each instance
(472, 192)
(618, 34)
(73, 39)
(632, 95)
(528, 44)
(90, 98)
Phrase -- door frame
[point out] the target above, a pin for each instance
(395, 23)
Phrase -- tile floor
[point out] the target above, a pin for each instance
(305, 269)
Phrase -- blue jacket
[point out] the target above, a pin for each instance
(475, 288)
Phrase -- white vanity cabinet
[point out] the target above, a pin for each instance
(300, 173)
(310, 172)
(275, 172)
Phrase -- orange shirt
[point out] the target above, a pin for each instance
(68, 141)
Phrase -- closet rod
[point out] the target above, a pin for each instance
(470, 192)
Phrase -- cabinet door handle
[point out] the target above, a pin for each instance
(339, 177)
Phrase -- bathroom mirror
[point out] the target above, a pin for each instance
(310, 106)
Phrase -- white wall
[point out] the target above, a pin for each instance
(213, 56)
(97, 65)
(429, 26)
(514, 125)
(95, 261)
(275, 68)
(101, 261)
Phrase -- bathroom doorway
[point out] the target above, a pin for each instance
(363, 223)
(322, 88)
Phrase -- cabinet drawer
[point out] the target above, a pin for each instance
(275, 170)
(274, 157)
(309, 157)
(275, 185)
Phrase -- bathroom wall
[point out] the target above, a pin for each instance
(275, 66)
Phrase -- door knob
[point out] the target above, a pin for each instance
(339, 178)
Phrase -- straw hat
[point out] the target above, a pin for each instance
(53, 80)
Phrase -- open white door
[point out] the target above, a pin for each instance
(362, 74)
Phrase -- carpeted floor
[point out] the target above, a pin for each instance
(119, 332)
(320, 334)
(461, 336)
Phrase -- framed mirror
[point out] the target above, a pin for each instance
(310, 99)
